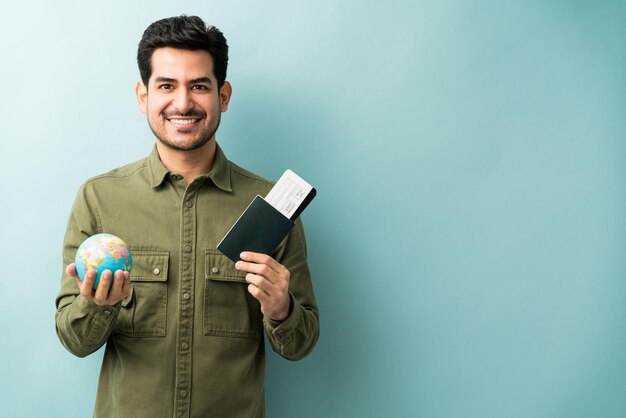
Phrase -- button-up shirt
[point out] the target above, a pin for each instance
(188, 341)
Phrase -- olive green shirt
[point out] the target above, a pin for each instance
(188, 341)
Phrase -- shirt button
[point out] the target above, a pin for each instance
(183, 393)
(107, 312)
(186, 296)
(187, 248)
(157, 270)
(184, 346)
(215, 270)
(189, 203)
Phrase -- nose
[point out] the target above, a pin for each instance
(183, 101)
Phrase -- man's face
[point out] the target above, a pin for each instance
(182, 100)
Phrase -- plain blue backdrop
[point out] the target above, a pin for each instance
(468, 239)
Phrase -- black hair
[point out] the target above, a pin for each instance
(183, 32)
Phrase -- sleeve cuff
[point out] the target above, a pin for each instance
(283, 329)
(104, 312)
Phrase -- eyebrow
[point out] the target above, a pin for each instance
(164, 80)
(161, 79)
(206, 80)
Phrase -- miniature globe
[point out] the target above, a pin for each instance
(102, 252)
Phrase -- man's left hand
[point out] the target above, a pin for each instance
(268, 283)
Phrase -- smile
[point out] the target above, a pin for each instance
(183, 122)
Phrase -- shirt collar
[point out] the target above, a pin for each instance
(156, 168)
(219, 174)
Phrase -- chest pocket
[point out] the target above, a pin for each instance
(229, 309)
(143, 312)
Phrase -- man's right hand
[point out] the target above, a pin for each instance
(105, 294)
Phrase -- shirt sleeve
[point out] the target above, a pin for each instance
(82, 326)
(296, 336)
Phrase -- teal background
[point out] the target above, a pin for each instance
(468, 239)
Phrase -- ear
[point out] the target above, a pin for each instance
(226, 91)
(141, 91)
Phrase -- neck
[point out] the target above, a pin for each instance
(189, 164)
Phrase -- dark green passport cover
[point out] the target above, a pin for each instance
(259, 229)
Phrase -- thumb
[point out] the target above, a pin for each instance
(71, 270)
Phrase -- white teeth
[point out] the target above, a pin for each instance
(183, 121)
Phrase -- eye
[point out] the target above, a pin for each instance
(200, 87)
(165, 87)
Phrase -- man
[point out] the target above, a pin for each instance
(184, 332)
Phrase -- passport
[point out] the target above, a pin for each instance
(265, 223)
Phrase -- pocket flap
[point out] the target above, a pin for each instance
(149, 266)
(128, 299)
(219, 267)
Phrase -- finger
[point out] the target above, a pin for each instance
(126, 284)
(260, 269)
(86, 288)
(70, 269)
(103, 287)
(115, 294)
(259, 258)
(258, 294)
(259, 282)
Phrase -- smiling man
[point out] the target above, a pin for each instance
(184, 332)
(185, 104)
